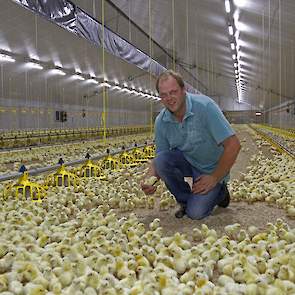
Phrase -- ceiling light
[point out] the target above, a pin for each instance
(58, 72)
(258, 113)
(232, 45)
(5, 57)
(78, 77)
(91, 80)
(240, 3)
(235, 65)
(105, 84)
(234, 56)
(34, 65)
(227, 6)
(230, 30)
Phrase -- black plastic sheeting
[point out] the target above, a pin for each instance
(61, 12)
(67, 15)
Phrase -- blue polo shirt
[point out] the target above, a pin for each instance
(198, 136)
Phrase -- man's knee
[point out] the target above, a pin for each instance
(197, 212)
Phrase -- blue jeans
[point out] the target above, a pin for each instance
(172, 167)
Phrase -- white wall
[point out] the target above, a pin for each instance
(280, 117)
(15, 114)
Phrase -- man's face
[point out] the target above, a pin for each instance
(172, 95)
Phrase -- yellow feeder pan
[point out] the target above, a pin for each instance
(62, 177)
(149, 151)
(139, 155)
(91, 170)
(111, 163)
(126, 159)
(25, 189)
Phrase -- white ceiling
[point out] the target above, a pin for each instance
(26, 35)
(200, 44)
(201, 38)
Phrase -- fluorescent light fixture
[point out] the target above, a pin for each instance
(92, 81)
(240, 3)
(34, 65)
(234, 56)
(258, 113)
(5, 57)
(230, 30)
(236, 71)
(237, 76)
(58, 72)
(117, 87)
(232, 46)
(227, 6)
(105, 84)
(235, 65)
(78, 77)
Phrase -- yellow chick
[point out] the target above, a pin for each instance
(15, 287)
(180, 240)
(224, 280)
(232, 229)
(150, 202)
(154, 224)
(197, 235)
(285, 273)
(33, 289)
(164, 205)
(180, 262)
(29, 273)
(121, 269)
(3, 283)
(89, 291)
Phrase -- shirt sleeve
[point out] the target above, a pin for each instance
(162, 143)
(217, 124)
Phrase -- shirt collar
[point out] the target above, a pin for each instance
(169, 117)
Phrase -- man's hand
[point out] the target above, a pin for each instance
(203, 184)
(148, 182)
(148, 189)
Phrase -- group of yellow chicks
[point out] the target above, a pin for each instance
(45, 251)
(271, 180)
(36, 157)
(75, 241)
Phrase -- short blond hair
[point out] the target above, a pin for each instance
(170, 73)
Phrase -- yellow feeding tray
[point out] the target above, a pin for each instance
(149, 151)
(25, 189)
(62, 177)
(111, 163)
(139, 155)
(91, 170)
(126, 159)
